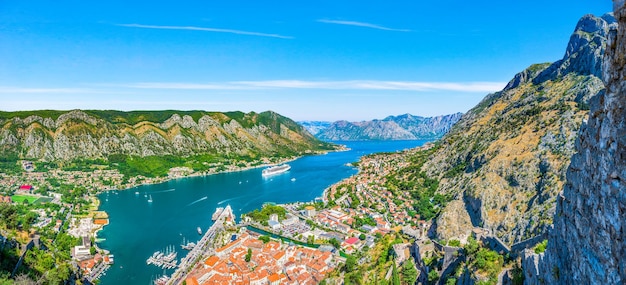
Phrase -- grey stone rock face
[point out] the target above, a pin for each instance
(588, 243)
(403, 127)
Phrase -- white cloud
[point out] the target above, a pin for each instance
(361, 24)
(183, 86)
(25, 90)
(204, 29)
(379, 85)
(416, 86)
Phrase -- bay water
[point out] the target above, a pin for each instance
(138, 227)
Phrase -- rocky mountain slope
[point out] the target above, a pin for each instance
(403, 127)
(587, 245)
(505, 161)
(67, 135)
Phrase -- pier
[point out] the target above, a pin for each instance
(202, 248)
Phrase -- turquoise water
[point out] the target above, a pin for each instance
(138, 228)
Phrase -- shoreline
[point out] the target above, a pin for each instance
(196, 174)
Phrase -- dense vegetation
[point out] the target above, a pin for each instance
(421, 187)
(51, 266)
(264, 214)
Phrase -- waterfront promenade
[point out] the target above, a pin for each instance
(202, 249)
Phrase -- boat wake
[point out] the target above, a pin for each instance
(199, 200)
(163, 191)
(230, 199)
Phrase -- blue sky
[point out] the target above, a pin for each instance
(316, 60)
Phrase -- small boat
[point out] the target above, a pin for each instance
(293, 179)
(136, 192)
(199, 230)
(150, 199)
(145, 195)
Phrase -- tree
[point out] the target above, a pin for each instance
(350, 263)
(471, 248)
(92, 250)
(433, 276)
(395, 277)
(454, 242)
(264, 239)
(334, 242)
(409, 272)
(362, 236)
(249, 255)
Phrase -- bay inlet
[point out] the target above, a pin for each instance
(138, 228)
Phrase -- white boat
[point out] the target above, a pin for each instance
(150, 199)
(278, 169)
(293, 179)
(199, 230)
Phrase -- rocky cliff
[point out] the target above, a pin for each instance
(67, 135)
(588, 243)
(505, 161)
(403, 127)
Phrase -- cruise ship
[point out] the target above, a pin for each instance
(275, 169)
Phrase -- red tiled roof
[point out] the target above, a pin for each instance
(352, 240)
(191, 281)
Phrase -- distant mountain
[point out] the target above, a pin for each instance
(314, 127)
(403, 127)
(94, 134)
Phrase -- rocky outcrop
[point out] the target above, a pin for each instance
(506, 160)
(59, 135)
(588, 243)
(403, 127)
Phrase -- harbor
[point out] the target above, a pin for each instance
(137, 228)
(203, 248)
(165, 259)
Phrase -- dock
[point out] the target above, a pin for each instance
(202, 248)
(165, 259)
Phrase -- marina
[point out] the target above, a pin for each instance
(187, 245)
(203, 248)
(165, 259)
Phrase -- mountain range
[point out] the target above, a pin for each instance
(403, 127)
(89, 134)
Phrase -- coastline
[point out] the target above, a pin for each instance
(195, 174)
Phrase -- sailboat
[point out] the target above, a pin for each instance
(187, 245)
(150, 199)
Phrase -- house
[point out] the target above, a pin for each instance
(275, 225)
(309, 211)
(290, 220)
(5, 199)
(25, 188)
(368, 228)
(350, 242)
(274, 217)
